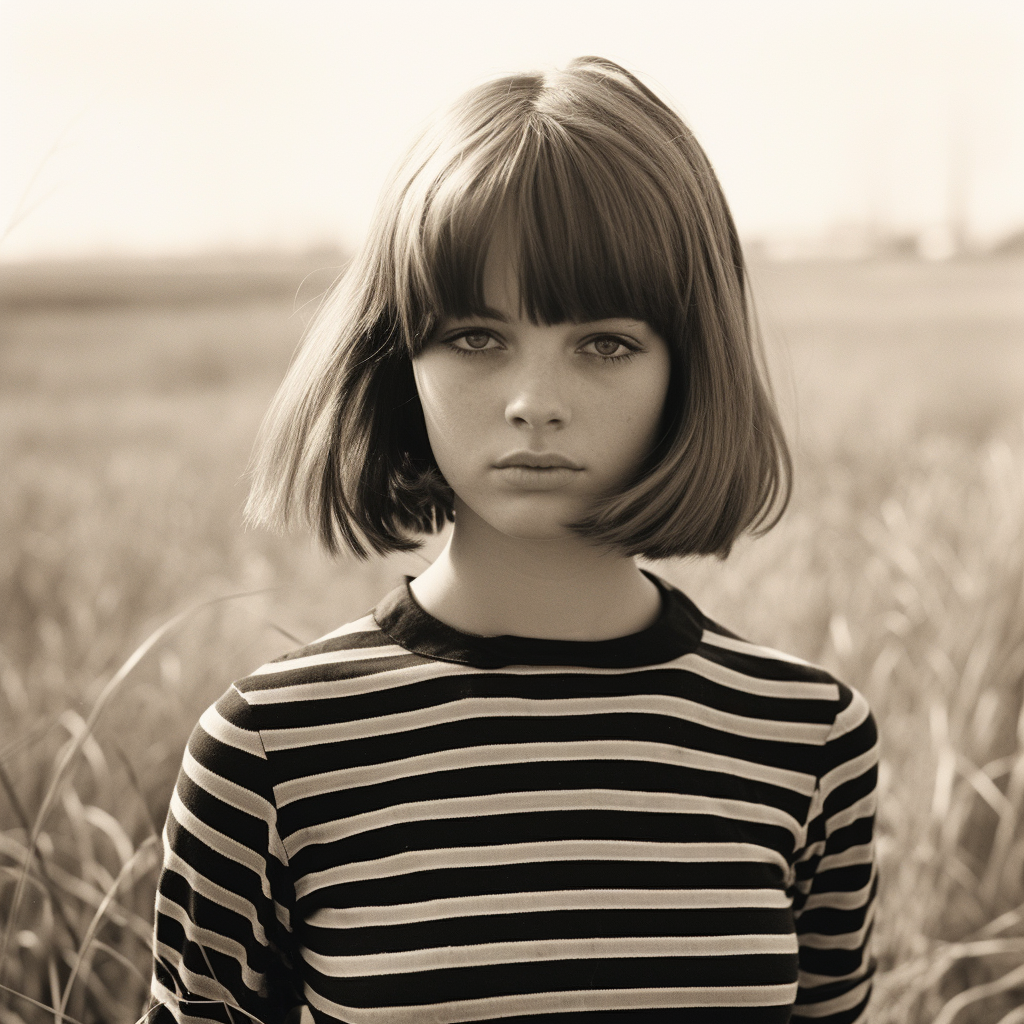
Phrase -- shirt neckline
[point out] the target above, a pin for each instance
(676, 631)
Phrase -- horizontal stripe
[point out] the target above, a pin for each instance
(847, 1001)
(215, 893)
(863, 808)
(729, 643)
(325, 658)
(236, 796)
(853, 770)
(532, 802)
(519, 753)
(840, 900)
(217, 727)
(222, 844)
(444, 958)
(593, 1001)
(521, 707)
(546, 902)
(526, 853)
(201, 984)
(808, 980)
(844, 940)
(849, 770)
(854, 715)
(330, 689)
(796, 689)
(863, 854)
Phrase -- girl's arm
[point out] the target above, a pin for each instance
(223, 911)
(835, 874)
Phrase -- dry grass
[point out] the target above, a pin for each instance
(901, 566)
(911, 587)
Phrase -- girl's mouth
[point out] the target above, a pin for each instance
(536, 473)
(537, 461)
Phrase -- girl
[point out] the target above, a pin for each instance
(535, 783)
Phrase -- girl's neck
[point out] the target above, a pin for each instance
(490, 584)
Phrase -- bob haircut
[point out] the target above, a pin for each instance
(614, 211)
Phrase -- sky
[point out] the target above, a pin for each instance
(176, 126)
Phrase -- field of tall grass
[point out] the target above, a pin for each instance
(131, 595)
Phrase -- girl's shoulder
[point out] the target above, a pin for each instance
(730, 650)
(334, 662)
(729, 655)
(777, 673)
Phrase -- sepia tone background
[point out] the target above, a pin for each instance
(180, 182)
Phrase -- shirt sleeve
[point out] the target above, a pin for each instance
(223, 941)
(835, 874)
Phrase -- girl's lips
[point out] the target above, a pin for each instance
(542, 461)
(536, 478)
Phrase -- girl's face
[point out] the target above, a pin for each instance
(529, 423)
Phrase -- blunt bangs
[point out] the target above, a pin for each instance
(589, 206)
(584, 250)
(609, 207)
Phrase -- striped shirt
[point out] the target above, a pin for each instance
(402, 823)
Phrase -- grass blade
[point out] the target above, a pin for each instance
(147, 846)
(73, 749)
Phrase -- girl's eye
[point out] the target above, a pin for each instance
(474, 341)
(609, 347)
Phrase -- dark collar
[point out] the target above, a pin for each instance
(676, 631)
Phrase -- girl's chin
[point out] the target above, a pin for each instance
(537, 516)
(518, 520)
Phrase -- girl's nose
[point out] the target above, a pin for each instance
(538, 403)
